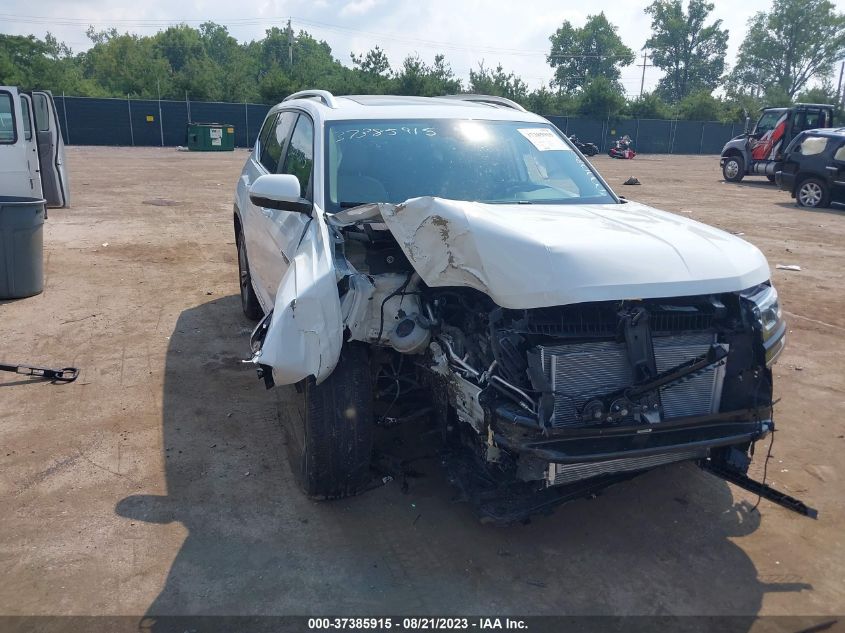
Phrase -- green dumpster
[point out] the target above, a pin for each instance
(211, 137)
(21, 247)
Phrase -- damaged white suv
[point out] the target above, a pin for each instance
(458, 260)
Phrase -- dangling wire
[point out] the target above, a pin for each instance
(765, 469)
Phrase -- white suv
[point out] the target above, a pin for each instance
(458, 261)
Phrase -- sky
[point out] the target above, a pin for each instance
(513, 33)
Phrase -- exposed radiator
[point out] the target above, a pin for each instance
(567, 473)
(581, 371)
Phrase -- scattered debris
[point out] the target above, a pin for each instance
(162, 202)
(788, 267)
(739, 233)
(105, 244)
(632, 181)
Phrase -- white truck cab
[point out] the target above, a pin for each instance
(32, 151)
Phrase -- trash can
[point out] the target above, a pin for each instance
(211, 137)
(21, 247)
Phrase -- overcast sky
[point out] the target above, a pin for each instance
(511, 32)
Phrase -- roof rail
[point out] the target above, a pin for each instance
(488, 99)
(323, 95)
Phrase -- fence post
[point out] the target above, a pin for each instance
(160, 123)
(701, 138)
(246, 122)
(637, 136)
(64, 109)
(669, 149)
(131, 131)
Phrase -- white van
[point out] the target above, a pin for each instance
(32, 151)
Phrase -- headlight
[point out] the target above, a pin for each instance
(768, 318)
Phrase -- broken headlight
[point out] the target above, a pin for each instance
(768, 318)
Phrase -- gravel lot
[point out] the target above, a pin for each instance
(157, 483)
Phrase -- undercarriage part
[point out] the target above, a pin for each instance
(763, 490)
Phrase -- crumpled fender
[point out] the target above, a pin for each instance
(306, 331)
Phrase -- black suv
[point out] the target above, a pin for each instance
(813, 168)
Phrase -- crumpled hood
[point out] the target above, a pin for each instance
(531, 256)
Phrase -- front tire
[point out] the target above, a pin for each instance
(812, 193)
(733, 168)
(331, 445)
(249, 301)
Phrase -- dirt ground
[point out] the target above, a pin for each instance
(158, 483)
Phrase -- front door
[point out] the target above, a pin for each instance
(285, 228)
(836, 173)
(51, 150)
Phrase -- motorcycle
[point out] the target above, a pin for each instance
(587, 149)
(622, 148)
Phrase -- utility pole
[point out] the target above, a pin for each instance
(290, 45)
(644, 65)
(839, 86)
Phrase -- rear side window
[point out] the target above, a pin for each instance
(299, 160)
(27, 119)
(813, 145)
(42, 112)
(273, 145)
(8, 134)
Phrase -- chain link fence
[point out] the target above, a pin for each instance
(149, 122)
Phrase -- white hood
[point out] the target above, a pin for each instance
(531, 256)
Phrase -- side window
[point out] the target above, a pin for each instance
(813, 145)
(840, 153)
(265, 130)
(300, 156)
(274, 143)
(42, 112)
(8, 134)
(27, 119)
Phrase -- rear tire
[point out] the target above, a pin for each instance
(733, 169)
(812, 193)
(331, 445)
(771, 178)
(249, 301)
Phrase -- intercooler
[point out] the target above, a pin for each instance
(581, 371)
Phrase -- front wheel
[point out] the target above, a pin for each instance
(733, 169)
(331, 444)
(249, 300)
(812, 193)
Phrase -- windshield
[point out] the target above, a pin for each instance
(482, 161)
(767, 121)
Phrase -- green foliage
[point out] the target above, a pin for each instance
(418, 78)
(498, 83)
(701, 106)
(600, 99)
(580, 55)
(691, 54)
(649, 106)
(796, 41)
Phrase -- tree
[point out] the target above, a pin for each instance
(600, 99)
(702, 106)
(497, 83)
(793, 43)
(578, 55)
(648, 106)
(691, 54)
(418, 78)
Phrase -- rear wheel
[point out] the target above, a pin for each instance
(812, 193)
(771, 178)
(249, 301)
(734, 168)
(331, 444)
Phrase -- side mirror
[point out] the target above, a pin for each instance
(279, 191)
